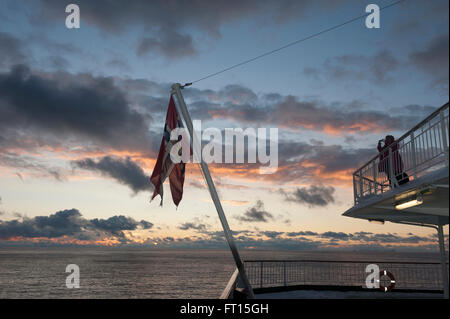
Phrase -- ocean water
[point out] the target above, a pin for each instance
(143, 273)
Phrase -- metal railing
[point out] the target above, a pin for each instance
(408, 275)
(421, 150)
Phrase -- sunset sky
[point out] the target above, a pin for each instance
(82, 114)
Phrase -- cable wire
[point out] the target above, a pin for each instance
(291, 44)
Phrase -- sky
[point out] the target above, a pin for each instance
(82, 114)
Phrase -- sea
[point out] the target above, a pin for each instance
(40, 272)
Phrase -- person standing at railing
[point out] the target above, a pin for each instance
(397, 163)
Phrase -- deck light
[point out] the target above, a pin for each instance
(417, 201)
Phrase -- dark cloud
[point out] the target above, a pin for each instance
(58, 62)
(417, 22)
(195, 226)
(313, 196)
(377, 69)
(271, 234)
(305, 162)
(424, 110)
(169, 44)
(69, 223)
(301, 233)
(70, 106)
(11, 50)
(336, 235)
(34, 165)
(434, 60)
(66, 222)
(238, 103)
(117, 224)
(119, 64)
(296, 241)
(125, 171)
(256, 213)
(389, 238)
(93, 114)
(165, 23)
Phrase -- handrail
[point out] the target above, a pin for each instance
(409, 275)
(419, 151)
(436, 112)
(429, 117)
(344, 261)
(369, 180)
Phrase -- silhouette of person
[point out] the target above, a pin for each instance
(397, 163)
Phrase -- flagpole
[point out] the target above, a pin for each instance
(176, 89)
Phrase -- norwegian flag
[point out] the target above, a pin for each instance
(164, 166)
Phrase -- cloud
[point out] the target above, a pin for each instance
(389, 238)
(28, 163)
(416, 22)
(376, 69)
(240, 104)
(119, 64)
(11, 50)
(336, 235)
(433, 60)
(67, 106)
(66, 222)
(70, 227)
(164, 25)
(256, 213)
(305, 162)
(306, 240)
(82, 115)
(313, 196)
(69, 223)
(125, 171)
(170, 44)
(116, 224)
(301, 233)
(271, 234)
(195, 226)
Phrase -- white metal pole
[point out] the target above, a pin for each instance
(443, 260)
(176, 89)
(444, 131)
(413, 155)
(391, 170)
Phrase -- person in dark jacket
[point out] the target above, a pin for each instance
(397, 163)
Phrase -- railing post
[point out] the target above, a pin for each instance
(413, 155)
(361, 189)
(443, 260)
(284, 273)
(393, 180)
(374, 172)
(261, 276)
(444, 135)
